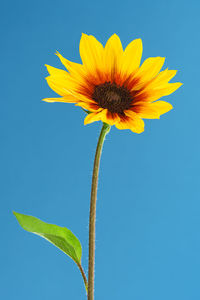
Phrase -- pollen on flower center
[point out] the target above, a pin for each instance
(113, 97)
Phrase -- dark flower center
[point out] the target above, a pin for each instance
(113, 97)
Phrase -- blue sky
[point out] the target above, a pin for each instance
(148, 214)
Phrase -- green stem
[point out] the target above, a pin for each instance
(105, 129)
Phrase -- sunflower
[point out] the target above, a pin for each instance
(111, 85)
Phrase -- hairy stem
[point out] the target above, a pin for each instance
(84, 277)
(105, 129)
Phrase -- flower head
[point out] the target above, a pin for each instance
(111, 84)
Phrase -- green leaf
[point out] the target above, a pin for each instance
(61, 237)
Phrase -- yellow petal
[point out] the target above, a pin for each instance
(110, 118)
(161, 107)
(132, 122)
(132, 57)
(166, 90)
(59, 90)
(90, 106)
(131, 114)
(113, 55)
(75, 69)
(56, 72)
(93, 117)
(149, 69)
(161, 79)
(66, 99)
(145, 111)
(152, 110)
(61, 85)
(91, 52)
